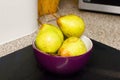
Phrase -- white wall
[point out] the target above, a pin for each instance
(17, 19)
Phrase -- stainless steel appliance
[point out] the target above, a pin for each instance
(109, 6)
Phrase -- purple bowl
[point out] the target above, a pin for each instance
(64, 65)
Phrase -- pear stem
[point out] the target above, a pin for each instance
(59, 11)
(40, 22)
(55, 16)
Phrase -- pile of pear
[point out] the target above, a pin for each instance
(62, 40)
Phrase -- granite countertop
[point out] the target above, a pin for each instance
(99, 26)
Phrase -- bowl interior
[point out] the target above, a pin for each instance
(88, 42)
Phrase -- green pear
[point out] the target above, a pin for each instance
(71, 25)
(49, 38)
(72, 46)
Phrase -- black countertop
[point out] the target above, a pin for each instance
(104, 64)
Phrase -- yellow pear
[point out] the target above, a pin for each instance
(49, 38)
(48, 27)
(72, 46)
(71, 25)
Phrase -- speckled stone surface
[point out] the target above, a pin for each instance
(99, 26)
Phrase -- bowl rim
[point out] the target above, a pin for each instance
(83, 36)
